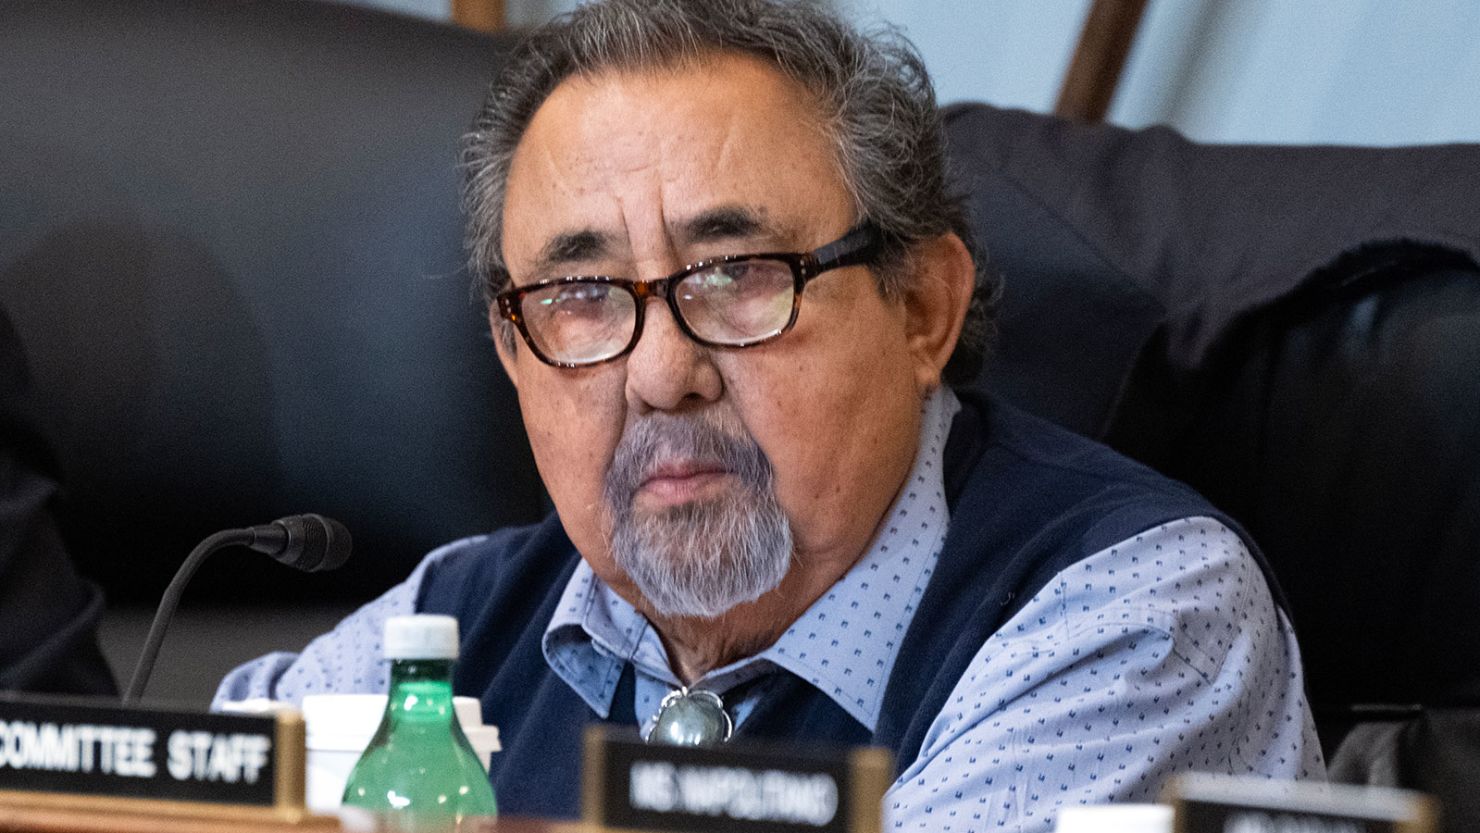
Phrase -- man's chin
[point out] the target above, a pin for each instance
(671, 517)
(691, 603)
(702, 548)
(682, 574)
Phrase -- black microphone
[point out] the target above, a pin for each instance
(304, 542)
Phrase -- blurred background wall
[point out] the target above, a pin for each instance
(1369, 72)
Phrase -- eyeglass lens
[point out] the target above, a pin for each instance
(728, 303)
(733, 303)
(579, 322)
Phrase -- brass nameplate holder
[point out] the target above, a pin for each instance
(1228, 804)
(735, 788)
(99, 757)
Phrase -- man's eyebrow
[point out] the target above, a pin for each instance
(724, 223)
(714, 225)
(572, 247)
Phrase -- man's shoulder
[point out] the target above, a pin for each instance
(513, 561)
(1029, 502)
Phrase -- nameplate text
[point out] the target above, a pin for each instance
(97, 748)
(735, 788)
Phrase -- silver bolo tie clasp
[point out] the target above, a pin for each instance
(691, 718)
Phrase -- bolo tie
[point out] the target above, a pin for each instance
(691, 718)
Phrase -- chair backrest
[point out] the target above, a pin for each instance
(1344, 430)
(1293, 331)
(230, 247)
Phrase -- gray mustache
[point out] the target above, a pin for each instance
(663, 437)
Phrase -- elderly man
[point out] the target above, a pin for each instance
(729, 285)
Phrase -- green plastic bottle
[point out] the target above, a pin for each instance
(419, 772)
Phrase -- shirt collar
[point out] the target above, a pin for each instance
(845, 644)
(592, 635)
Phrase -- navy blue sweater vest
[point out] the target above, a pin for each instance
(1027, 500)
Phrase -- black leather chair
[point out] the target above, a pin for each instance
(1295, 332)
(229, 245)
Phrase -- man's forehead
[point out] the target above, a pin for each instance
(701, 152)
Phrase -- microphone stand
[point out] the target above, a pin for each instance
(171, 600)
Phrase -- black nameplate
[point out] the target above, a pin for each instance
(1223, 804)
(96, 748)
(736, 788)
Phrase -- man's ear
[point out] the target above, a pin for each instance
(500, 329)
(935, 304)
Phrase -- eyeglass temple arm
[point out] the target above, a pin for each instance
(857, 246)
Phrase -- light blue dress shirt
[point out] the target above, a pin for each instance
(1164, 653)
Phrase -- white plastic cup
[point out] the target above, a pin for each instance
(339, 727)
(1115, 818)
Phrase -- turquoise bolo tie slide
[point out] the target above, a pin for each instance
(691, 718)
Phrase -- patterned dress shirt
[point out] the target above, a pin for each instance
(1164, 653)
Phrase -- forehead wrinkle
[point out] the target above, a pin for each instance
(648, 238)
(728, 143)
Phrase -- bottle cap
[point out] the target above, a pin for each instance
(423, 636)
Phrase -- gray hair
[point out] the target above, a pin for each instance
(873, 94)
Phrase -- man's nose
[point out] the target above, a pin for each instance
(667, 370)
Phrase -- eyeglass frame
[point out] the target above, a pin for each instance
(858, 246)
